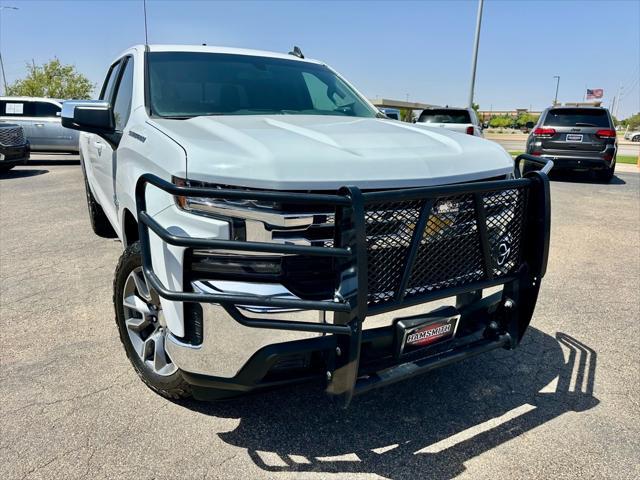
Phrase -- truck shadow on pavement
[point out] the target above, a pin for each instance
(583, 177)
(20, 173)
(425, 427)
(55, 161)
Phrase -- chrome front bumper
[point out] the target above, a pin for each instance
(227, 345)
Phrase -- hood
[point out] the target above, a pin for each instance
(454, 127)
(311, 152)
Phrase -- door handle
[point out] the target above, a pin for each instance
(39, 124)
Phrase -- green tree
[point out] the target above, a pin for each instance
(501, 121)
(633, 122)
(52, 80)
(525, 118)
(406, 114)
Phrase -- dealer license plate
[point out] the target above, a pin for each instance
(425, 330)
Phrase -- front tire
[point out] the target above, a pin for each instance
(636, 138)
(142, 329)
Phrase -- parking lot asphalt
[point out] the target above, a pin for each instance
(564, 405)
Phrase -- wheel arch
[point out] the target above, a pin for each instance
(130, 233)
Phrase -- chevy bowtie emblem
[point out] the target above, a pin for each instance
(504, 251)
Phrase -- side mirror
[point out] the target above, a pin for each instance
(93, 116)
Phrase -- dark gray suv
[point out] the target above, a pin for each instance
(576, 138)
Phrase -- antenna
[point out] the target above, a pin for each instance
(297, 52)
(146, 37)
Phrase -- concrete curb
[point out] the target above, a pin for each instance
(627, 168)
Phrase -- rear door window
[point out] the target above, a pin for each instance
(14, 108)
(577, 117)
(445, 116)
(45, 109)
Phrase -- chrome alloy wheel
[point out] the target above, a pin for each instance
(145, 324)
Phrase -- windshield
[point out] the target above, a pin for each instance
(577, 117)
(188, 84)
(445, 115)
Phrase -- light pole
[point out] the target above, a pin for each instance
(4, 78)
(555, 100)
(475, 52)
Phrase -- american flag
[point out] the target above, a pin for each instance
(594, 93)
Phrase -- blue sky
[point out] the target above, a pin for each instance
(389, 49)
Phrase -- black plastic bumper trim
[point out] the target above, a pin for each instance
(407, 370)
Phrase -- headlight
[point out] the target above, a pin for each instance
(311, 277)
(269, 213)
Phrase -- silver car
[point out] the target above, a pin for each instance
(40, 120)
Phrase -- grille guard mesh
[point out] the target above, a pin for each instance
(392, 249)
(449, 248)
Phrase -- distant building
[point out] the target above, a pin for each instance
(486, 115)
(399, 104)
(387, 103)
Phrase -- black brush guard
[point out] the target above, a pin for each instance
(404, 270)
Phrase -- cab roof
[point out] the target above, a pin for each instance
(33, 99)
(225, 50)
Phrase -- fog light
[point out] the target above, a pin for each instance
(233, 265)
(1, 156)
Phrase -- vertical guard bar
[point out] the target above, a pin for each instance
(520, 297)
(418, 235)
(344, 361)
(481, 220)
(143, 231)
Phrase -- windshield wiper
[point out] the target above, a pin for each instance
(583, 124)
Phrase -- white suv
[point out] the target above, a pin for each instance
(276, 227)
(40, 121)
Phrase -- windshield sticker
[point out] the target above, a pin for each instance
(14, 108)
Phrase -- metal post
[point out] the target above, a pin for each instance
(614, 112)
(475, 52)
(555, 99)
(4, 78)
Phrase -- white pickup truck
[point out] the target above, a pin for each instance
(277, 229)
(462, 120)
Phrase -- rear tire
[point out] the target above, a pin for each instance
(99, 222)
(636, 138)
(607, 174)
(142, 330)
